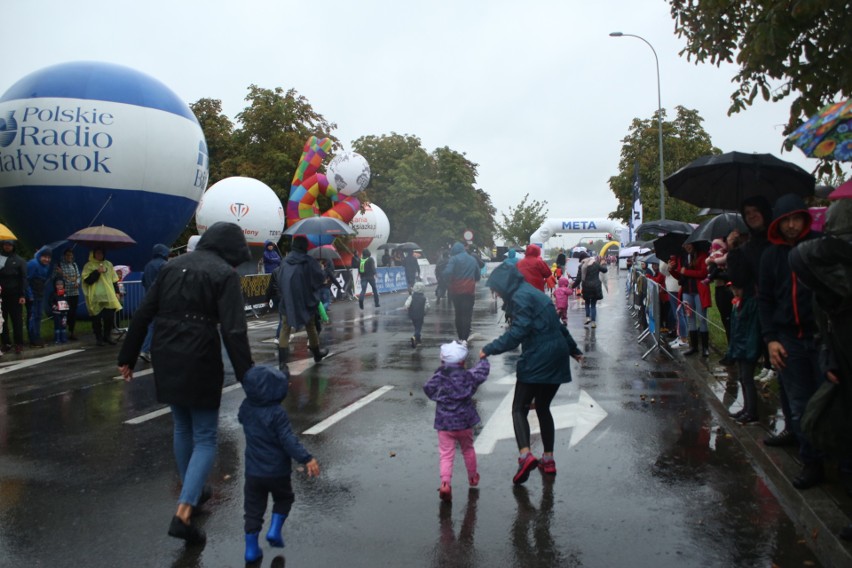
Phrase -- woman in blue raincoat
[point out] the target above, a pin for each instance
(544, 365)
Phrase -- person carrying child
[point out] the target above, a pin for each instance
(452, 387)
(270, 447)
(417, 305)
(59, 309)
(563, 293)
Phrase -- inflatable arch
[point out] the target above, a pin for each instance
(553, 227)
(607, 246)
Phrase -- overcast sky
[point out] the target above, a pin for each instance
(536, 93)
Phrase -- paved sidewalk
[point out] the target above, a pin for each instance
(819, 512)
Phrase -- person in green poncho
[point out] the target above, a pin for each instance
(100, 283)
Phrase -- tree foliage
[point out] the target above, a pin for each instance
(797, 47)
(429, 198)
(684, 139)
(522, 221)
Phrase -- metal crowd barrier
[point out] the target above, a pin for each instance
(643, 295)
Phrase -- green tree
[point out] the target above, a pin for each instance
(273, 131)
(801, 48)
(522, 221)
(684, 139)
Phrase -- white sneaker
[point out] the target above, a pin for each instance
(771, 375)
(594, 324)
(761, 376)
(588, 321)
(678, 344)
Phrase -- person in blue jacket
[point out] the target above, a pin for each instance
(271, 257)
(271, 446)
(38, 275)
(544, 364)
(159, 257)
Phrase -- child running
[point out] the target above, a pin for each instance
(417, 305)
(270, 445)
(452, 388)
(562, 294)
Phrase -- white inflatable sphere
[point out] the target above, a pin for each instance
(348, 173)
(88, 142)
(249, 203)
(372, 228)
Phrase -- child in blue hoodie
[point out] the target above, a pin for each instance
(270, 447)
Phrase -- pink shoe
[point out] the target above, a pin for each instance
(474, 479)
(547, 466)
(445, 492)
(525, 465)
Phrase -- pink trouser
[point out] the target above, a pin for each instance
(447, 449)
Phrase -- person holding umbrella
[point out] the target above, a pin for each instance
(100, 288)
(690, 267)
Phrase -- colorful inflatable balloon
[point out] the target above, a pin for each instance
(249, 203)
(308, 184)
(96, 143)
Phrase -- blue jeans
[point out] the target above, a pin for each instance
(678, 316)
(694, 301)
(146, 345)
(801, 378)
(592, 309)
(418, 327)
(325, 297)
(34, 320)
(195, 436)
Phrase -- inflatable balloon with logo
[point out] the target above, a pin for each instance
(249, 203)
(350, 173)
(88, 143)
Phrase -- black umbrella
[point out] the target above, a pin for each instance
(712, 211)
(320, 226)
(408, 246)
(725, 180)
(642, 244)
(387, 246)
(669, 245)
(663, 227)
(718, 227)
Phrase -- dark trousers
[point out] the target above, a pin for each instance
(102, 324)
(256, 493)
(73, 301)
(372, 283)
(801, 379)
(418, 327)
(463, 307)
(543, 395)
(13, 316)
(723, 297)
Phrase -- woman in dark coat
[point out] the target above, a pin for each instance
(544, 365)
(197, 304)
(589, 275)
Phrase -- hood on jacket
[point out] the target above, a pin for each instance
(265, 386)
(226, 240)
(505, 280)
(8, 241)
(762, 204)
(532, 250)
(511, 253)
(418, 288)
(563, 282)
(160, 251)
(267, 243)
(43, 251)
(458, 248)
(838, 219)
(786, 206)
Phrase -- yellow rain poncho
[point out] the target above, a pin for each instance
(101, 294)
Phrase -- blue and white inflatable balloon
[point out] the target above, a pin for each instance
(96, 143)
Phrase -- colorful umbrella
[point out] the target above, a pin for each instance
(827, 134)
(843, 191)
(6, 233)
(102, 237)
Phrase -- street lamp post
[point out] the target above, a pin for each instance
(659, 118)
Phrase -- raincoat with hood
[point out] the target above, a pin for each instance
(534, 269)
(299, 279)
(38, 274)
(13, 285)
(784, 305)
(159, 257)
(546, 345)
(511, 257)
(462, 272)
(562, 294)
(271, 258)
(197, 304)
(270, 441)
(99, 287)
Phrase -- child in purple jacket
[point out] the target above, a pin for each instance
(452, 388)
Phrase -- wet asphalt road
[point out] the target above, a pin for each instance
(653, 482)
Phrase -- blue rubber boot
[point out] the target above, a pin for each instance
(273, 536)
(253, 551)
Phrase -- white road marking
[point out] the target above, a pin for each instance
(37, 361)
(340, 415)
(582, 416)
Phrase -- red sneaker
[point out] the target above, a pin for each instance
(547, 467)
(525, 466)
(445, 492)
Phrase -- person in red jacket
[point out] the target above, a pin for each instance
(691, 269)
(534, 269)
(654, 274)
